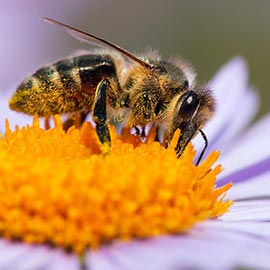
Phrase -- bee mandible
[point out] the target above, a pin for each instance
(146, 88)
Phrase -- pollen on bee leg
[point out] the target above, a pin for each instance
(105, 148)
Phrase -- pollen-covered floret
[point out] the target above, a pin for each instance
(58, 188)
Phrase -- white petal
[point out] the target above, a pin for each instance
(250, 210)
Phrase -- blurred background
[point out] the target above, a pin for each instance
(208, 33)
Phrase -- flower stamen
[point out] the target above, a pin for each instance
(58, 188)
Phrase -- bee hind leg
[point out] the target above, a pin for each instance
(99, 113)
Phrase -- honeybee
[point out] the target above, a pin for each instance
(147, 88)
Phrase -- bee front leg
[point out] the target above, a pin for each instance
(188, 131)
(99, 113)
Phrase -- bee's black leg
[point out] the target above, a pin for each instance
(75, 119)
(143, 135)
(137, 131)
(99, 114)
(187, 133)
(157, 135)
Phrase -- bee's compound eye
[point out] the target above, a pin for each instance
(189, 104)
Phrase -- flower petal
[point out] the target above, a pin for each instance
(230, 88)
(257, 187)
(249, 107)
(23, 256)
(61, 260)
(250, 210)
(257, 229)
(251, 149)
(247, 174)
(202, 248)
(10, 253)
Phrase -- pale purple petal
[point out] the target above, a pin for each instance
(234, 71)
(229, 85)
(256, 229)
(247, 173)
(202, 248)
(261, 126)
(231, 90)
(257, 187)
(10, 252)
(250, 149)
(239, 122)
(22, 256)
(250, 210)
(60, 260)
(35, 258)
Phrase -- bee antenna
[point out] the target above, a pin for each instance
(205, 146)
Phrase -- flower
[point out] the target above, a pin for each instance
(230, 241)
(90, 199)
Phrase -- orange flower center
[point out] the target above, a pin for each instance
(58, 188)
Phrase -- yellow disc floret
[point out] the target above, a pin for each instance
(58, 188)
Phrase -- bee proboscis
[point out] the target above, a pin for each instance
(146, 88)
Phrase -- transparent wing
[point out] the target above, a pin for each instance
(96, 41)
(85, 38)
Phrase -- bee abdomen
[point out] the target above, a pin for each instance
(66, 86)
(50, 90)
(94, 68)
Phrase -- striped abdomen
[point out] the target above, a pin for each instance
(66, 86)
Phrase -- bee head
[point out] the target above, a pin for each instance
(192, 109)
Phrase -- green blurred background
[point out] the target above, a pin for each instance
(208, 33)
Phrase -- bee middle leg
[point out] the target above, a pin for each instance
(157, 135)
(99, 113)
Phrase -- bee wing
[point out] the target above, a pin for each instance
(96, 41)
(85, 38)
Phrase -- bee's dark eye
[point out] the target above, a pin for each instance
(185, 84)
(189, 104)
